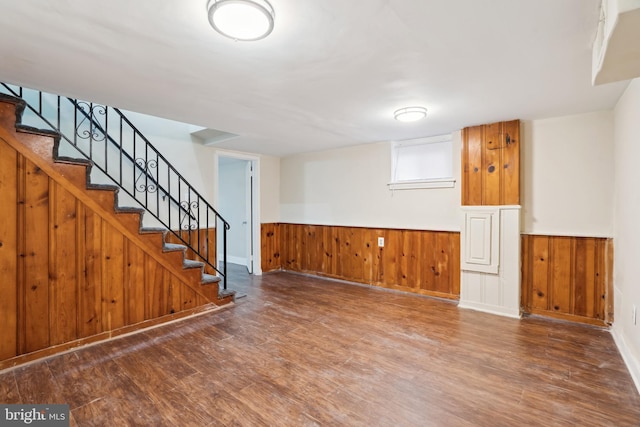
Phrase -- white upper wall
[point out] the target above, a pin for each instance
(567, 180)
(627, 225)
(269, 189)
(348, 186)
(173, 140)
(196, 162)
(567, 175)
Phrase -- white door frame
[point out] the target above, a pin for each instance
(255, 217)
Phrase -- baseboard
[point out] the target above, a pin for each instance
(81, 343)
(491, 309)
(236, 260)
(633, 364)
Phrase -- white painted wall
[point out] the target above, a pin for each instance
(196, 162)
(269, 189)
(232, 201)
(627, 226)
(567, 175)
(348, 187)
(193, 160)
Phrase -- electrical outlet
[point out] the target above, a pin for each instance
(381, 242)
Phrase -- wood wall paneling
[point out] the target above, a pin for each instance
(491, 164)
(566, 277)
(134, 283)
(472, 165)
(270, 247)
(511, 163)
(89, 287)
(492, 146)
(425, 262)
(113, 307)
(63, 254)
(34, 185)
(8, 250)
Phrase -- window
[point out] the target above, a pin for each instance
(422, 163)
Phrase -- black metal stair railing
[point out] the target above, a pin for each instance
(106, 137)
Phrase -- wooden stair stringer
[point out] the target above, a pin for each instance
(38, 146)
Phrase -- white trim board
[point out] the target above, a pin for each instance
(255, 159)
(633, 364)
(496, 309)
(236, 260)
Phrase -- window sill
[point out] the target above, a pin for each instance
(431, 183)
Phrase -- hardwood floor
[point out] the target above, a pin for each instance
(303, 351)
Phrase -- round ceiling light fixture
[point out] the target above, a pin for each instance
(410, 114)
(242, 20)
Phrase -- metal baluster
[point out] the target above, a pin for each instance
(208, 251)
(224, 255)
(146, 171)
(106, 132)
(90, 131)
(75, 124)
(121, 142)
(169, 194)
(158, 186)
(134, 166)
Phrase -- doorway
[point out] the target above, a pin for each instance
(237, 201)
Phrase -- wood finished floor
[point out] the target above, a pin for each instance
(300, 351)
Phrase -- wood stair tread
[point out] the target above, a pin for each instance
(153, 230)
(189, 263)
(173, 247)
(210, 278)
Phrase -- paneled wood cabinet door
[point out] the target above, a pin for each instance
(491, 164)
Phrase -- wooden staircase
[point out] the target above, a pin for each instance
(74, 267)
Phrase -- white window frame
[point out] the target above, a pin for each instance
(435, 181)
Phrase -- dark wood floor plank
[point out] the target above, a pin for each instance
(9, 389)
(36, 385)
(302, 351)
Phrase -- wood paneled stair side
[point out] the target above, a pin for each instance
(41, 147)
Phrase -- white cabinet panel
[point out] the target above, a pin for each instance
(481, 238)
(490, 259)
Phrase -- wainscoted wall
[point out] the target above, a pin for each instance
(562, 277)
(568, 277)
(424, 262)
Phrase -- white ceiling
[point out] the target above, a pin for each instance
(331, 73)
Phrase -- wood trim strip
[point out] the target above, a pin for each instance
(108, 335)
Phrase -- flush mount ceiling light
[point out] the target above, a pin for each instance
(243, 20)
(410, 114)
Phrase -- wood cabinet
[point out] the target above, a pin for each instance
(491, 164)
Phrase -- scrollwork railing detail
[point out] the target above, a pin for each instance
(188, 218)
(141, 182)
(92, 111)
